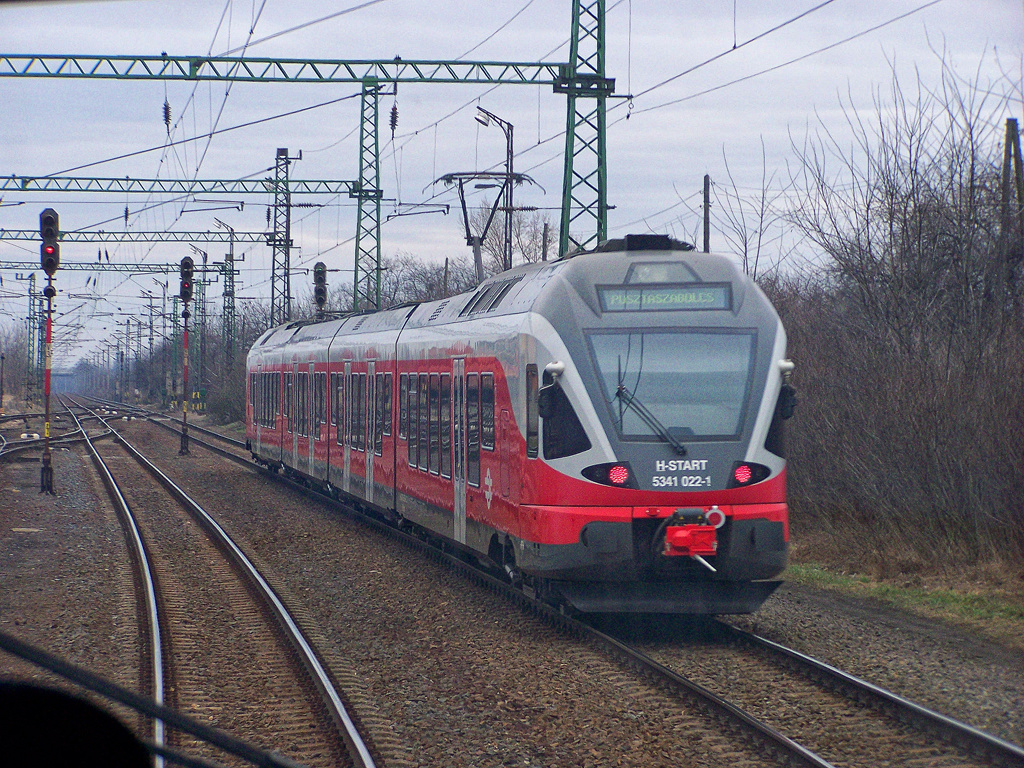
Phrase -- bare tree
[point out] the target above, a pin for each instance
(753, 224)
(527, 237)
(907, 339)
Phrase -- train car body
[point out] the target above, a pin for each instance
(605, 428)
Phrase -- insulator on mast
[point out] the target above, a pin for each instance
(167, 116)
(394, 119)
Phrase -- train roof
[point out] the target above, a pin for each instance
(634, 258)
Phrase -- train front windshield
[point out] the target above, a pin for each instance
(690, 384)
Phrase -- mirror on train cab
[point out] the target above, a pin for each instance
(546, 401)
(787, 401)
(546, 394)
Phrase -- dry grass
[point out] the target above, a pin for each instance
(987, 597)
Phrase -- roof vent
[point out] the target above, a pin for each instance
(437, 312)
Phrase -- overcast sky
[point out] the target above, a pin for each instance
(656, 159)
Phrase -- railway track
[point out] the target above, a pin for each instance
(219, 637)
(846, 721)
(64, 432)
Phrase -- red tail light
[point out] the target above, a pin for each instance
(618, 474)
(748, 473)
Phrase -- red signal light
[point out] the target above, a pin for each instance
(618, 475)
(49, 250)
(743, 473)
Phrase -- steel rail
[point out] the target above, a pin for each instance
(339, 713)
(770, 739)
(994, 749)
(145, 570)
(156, 415)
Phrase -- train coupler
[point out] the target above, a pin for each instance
(690, 540)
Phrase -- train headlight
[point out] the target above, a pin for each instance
(747, 473)
(617, 474)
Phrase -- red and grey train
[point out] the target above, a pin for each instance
(606, 428)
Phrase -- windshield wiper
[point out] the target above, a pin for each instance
(630, 401)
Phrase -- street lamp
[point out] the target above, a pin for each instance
(484, 118)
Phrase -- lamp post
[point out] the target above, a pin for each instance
(484, 118)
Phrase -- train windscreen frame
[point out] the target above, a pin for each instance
(697, 383)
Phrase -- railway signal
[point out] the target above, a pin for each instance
(49, 257)
(187, 271)
(49, 231)
(320, 286)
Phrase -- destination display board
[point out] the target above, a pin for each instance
(660, 298)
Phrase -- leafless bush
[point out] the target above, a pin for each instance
(909, 337)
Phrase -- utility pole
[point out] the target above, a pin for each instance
(1012, 169)
(281, 242)
(707, 213)
(585, 174)
(201, 307)
(228, 321)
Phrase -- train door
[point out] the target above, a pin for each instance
(257, 405)
(505, 451)
(294, 422)
(311, 420)
(459, 443)
(347, 414)
(371, 426)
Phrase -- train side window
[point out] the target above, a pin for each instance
(314, 406)
(413, 412)
(473, 429)
(334, 399)
(532, 419)
(324, 410)
(346, 416)
(300, 404)
(288, 401)
(339, 407)
(252, 397)
(388, 396)
(435, 423)
(563, 433)
(403, 406)
(277, 397)
(446, 425)
(307, 404)
(378, 427)
(362, 412)
(487, 411)
(353, 409)
(319, 408)
(424, 423)
(369, 415)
